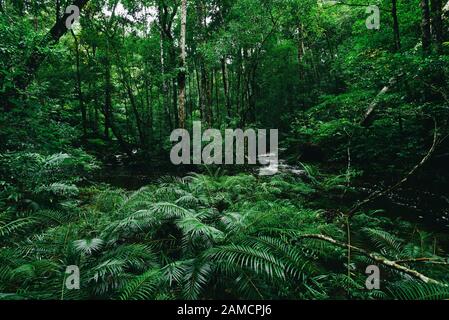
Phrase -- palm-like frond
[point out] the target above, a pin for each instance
(142, 287)
(15, 226)
(228, 257)
(414, 290)
(88, 246)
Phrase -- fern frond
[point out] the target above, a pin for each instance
(142, 287)
(414, 290)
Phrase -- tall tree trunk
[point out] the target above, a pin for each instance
(107, 93)
(107, 99)
(210, 96)
(437, 23)
(224, 73)
(79, 90)
(239, 82)
(301, 52)
(174, 92)
(149, 119)
(394, 14)
(199, 92)
(57, 9)
(164, 83)
(425, 27)
(182, 65)
(135, 111)
(217, 100)
(205, 94)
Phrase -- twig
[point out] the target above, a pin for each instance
(429, 260)
(376, 195)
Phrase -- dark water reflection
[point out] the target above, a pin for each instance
(133, 177)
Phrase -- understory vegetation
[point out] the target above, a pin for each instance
(212, 236)
(86, 180)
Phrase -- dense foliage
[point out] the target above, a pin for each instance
(362, 115)
(209, 237)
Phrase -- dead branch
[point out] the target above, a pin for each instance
(376, 257)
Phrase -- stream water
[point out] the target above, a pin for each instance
(431, 210)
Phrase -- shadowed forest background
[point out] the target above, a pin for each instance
(86, 179)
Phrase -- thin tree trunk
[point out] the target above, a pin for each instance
(107, 99)
(79, 90)
(164, 82)
(182, 65)
(437, 23)
(397, 37)
(301, 52)
(224, 73)
(148, 90)
(57, 9)
(217, 102)
(425, 27)
(205, 95)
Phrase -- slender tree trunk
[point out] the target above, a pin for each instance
(301, 51)
(174, 92)
(148, 90)
(210, 97)
(189, 80)
(57, 9)
(425, 27)
(79, 90)
(164, 82)
(224, 73)
(239, 82)
(135, 111)
(437, 23)
(394, 14)
(107, 99)
(108, 93)
(182, 65)
(205, 95)
(217, 100)
(199, 91)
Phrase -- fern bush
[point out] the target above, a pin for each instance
(211, 237)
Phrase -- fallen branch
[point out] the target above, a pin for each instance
(376, 257)
(427, 260)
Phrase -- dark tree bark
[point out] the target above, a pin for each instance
(394, 14)
(164, 81)
(79, 90)
(182, 65)
(107, 99)
(425, 27)
(166, 16)
(57, 9)
(437, 23)
(301, 52)
(205, 95)
(132, 100)
(224, 73)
